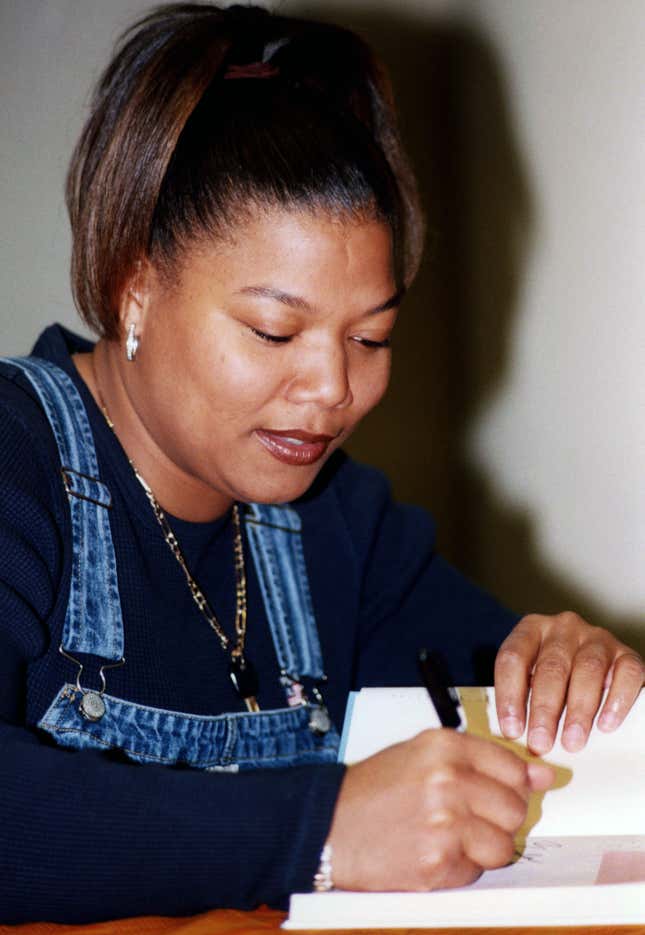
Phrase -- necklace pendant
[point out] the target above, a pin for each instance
(245, 681)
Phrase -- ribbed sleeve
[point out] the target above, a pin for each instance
(85, 839)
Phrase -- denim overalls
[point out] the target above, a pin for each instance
(300, 733)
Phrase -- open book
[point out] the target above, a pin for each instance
(580, 854)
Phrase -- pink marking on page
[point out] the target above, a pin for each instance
(622, 867)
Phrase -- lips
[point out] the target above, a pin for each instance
(293, 446)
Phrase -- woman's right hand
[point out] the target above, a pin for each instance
(430, 813)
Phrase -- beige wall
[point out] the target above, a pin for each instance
(517, 411)
(561, 437)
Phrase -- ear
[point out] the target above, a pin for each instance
(136, 297)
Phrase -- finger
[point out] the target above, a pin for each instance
(502, 765)
(444, 863)
(485, 844)
(455, 792)
(464, 873)
(626, 683)
(456, 751)
(512, 671)
(549, 688)
(586, 684)
(541, 776)
(496, 802)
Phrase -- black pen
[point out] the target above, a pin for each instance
(445, 700)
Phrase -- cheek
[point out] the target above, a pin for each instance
(235, 381)
(372, 383)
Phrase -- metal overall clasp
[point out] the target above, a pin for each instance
(297, 696)
(92, 706)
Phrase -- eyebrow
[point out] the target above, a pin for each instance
(297, 302)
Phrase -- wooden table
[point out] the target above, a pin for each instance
(263, 921)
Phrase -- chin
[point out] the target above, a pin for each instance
(277, 490)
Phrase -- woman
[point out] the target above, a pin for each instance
(193, 574)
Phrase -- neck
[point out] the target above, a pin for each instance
(177, 491)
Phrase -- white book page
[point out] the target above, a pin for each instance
(580, 857)
(571, 861)
(599, 790)
(622, 904)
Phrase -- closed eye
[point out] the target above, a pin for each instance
(367, 342)
(271, 338)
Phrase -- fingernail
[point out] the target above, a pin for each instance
(541, 774)
(540, 740)
(608, 721)
(511, 727)
(573, 738)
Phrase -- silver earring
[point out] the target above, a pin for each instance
(131, 344)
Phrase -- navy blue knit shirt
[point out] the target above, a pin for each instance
(85, 836)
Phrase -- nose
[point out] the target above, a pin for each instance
(322, 378)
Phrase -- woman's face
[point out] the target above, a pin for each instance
(263, 355)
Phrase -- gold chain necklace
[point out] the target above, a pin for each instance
(241, 671)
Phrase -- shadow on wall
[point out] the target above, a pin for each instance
(453, 338)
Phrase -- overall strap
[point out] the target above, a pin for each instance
(93, 623)
(274, 534)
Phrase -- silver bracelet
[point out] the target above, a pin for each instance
(323, 882)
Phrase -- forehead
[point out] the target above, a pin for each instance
(300, 252)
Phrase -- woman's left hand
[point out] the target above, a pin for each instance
(566, 663)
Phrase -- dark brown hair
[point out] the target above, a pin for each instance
(173, 151)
